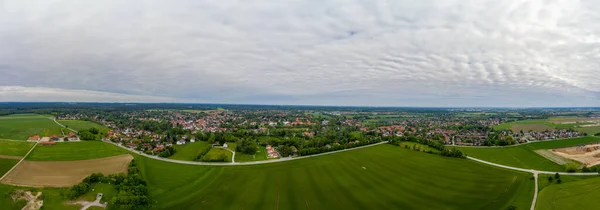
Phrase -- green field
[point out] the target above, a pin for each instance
(108, 191)
(580, 195)
(21, 127)
(216, 153)
(539, 125)
(261, 154)
(422, 147)
(15, 148)
(379, 177)
(6, 165)
(523, 156)
(83, 150)
(189, 151)
(589, 130)
(80, 124)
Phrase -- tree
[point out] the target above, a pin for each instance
(556, 175)
(86, 135)
(550, 179)
(558, 181)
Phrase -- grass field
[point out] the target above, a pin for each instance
(216, 153)
(15, 148)
(21, 127)
(523, 156)
(53, 198)
(189, 151)
(541, 124)
(108, 192)
(261, 154)
(589, 130)
(580, 195)
(80, 124)
(369, 178)
(6, 164)
(422, 147)
(83, 150)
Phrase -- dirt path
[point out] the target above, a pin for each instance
(61, 125)
(13, 168)
(10, 157)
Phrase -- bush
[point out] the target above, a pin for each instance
(558, 181)
(571, 167)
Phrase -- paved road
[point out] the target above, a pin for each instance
(239, 163)
(535, 193)
(61, 125)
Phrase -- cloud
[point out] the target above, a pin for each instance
(37, 94)
(363, 52)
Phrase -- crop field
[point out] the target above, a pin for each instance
(589, 130)
(261, 154)
(524, 156)
(15, 148)
(581, 194)
(189, 151)
(81, 124)
(6, 165)
(369, 178)
(21, 127)
(83, 150)
(64, 173)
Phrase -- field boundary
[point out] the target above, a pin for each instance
(61, 125)
(546, 153)
(8, 172)
(516, 145)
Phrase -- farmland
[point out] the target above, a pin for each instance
(217, 155)
(548, 124)
(80, 124)
(21, 127)
(14, 148)
(358, 179)
(189, 151)
(580, 194)
(524, 156)
(6, 165)
(83, 150)
(64, 173)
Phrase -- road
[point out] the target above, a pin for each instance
(61, 125)
(239, 163)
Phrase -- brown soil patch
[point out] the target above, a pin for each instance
(10, 157)
(587, 154)
(64, 173)
(530, 127)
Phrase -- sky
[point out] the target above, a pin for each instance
(433, 53)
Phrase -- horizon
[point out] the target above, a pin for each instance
(299, 105)
(431, 53)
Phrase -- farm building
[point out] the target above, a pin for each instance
(34, 138)
(48, 143)
(73, 137)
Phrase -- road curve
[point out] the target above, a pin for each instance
(238, 163)
(531, 170)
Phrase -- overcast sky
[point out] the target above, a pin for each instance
(519, 53)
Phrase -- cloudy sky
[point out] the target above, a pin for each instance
(519, 53)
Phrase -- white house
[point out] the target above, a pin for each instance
(192, 140)
(181, 142)
(225, 145)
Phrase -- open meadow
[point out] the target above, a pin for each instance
(581, 195)
(378, 177)
(21, 127)
(82, 150)
(15, 148)
(190, 152)
(81, 124)
(549, 124)
(524, 156)
(261, 154)
(6, 165)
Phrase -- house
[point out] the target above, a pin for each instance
(181, 142)
(225, 145)
(34, 138)
(54, 138)
(192, 140)
(73, 137)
